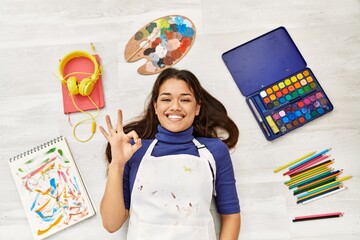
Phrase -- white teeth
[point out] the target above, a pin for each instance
(174, 117)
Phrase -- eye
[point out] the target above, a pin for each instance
(186, 100)
(165, 100)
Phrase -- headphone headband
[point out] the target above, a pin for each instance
(78, 53)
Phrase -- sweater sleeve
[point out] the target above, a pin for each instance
(126, 185)
(130, 172)
(226, 199)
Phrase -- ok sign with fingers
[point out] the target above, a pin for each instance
(121, 147)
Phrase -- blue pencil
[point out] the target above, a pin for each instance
(312, 179)
(317, 195)
(309, 158)
(318, 190)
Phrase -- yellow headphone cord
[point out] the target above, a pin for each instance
(93, 123)
(91, 117)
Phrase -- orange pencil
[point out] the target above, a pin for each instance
(322, 179)
(320, 170)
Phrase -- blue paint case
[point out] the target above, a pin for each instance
(281, 91)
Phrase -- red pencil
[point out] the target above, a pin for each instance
(318, 216)
(306, 165)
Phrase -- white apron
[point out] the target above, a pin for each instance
(171, 197)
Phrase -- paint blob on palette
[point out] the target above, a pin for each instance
(289, 104)
(162, 42)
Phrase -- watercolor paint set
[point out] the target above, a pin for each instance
(281, 91)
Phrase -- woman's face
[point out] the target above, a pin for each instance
(176, 106)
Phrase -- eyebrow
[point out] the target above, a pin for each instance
(169, 94)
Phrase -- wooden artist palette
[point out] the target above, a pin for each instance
(162, 42)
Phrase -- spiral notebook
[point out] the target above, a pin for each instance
(52, 191)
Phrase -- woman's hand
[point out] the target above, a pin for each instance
(112, 207)
(121, 148)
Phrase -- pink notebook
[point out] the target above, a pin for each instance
(82, 64)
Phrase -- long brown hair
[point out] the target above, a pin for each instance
(211, 122)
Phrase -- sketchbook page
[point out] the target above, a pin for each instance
(82, 64)
(51, 189)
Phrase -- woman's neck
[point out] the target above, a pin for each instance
(164, 135)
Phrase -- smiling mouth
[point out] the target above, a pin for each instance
(174, 117)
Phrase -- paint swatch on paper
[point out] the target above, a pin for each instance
(162, 42)
(51, 189)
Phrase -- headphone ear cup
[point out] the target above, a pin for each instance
(86, 86)
(72, 85)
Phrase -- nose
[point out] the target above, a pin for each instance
(175, 106)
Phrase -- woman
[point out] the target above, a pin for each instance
(166, 166)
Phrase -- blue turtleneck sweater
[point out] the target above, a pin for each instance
(170, 143)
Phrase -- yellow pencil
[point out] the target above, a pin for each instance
(339, 180)
(297, 175)
(293, 162)
(316, 193)
(307, 172)
(336, 175)
(321, 170)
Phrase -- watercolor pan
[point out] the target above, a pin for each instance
(281, 91)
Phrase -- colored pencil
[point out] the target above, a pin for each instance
(293, 162)
(318, 189)
(339, 180)
(321, 175)
(308, 175)
(318, 179)
(298, 191)
(301, 220)
(318, 216)
(300, 168)
(307, 172)
(313, 178)
(309, 159)
(316, 174)
(317, 194)
(306, 165)
(326, 163)
(325, 195)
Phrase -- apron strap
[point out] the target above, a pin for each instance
(150, 148)
(205, 153)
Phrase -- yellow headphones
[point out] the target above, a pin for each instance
(83, 87)
(86, 85)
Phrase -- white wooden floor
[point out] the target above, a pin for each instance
(35, 34)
